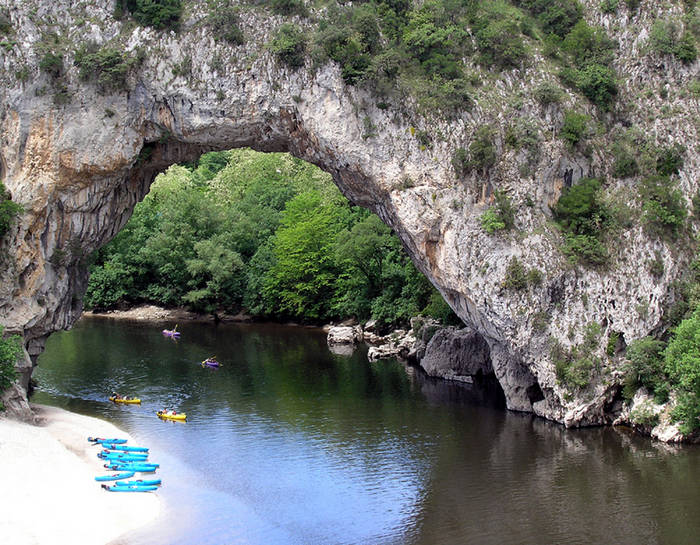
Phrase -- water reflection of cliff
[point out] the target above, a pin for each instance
(484, 392)
(527, 477)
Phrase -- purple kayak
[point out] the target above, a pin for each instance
(210, 362)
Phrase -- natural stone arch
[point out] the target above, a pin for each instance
(79, 167)
(90, 182)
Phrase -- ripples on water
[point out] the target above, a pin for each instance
(290, 444)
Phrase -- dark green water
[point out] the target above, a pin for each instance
(290, 444)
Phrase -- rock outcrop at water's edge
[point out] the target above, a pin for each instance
(78, 157)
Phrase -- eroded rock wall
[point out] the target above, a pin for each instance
(78, 158)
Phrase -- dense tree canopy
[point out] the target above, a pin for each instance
(262, 232)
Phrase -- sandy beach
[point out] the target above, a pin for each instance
(49, 495)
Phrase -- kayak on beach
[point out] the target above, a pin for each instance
(133, 466)
(121, 454)
(139, 482)
(115, 476)
(102, 440)
(172, 415)
(122, 458)
(129, 488)
(125, 448)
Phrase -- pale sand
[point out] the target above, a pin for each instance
(48, 494)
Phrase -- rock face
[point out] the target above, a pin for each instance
(344, 335)
(78, 157)
(457, 354)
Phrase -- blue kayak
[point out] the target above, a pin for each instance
(141, 468)
(129, 488)
(106, 452)
(102, 440)
(126, 460)
(139, 482)
(125, 448)
(123, 457)
(116, 476)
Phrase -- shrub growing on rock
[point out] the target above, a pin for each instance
(516, 275)
(10, 351)
(584, 219)
(289, 45)
(575, 127)
(8, 210)
(5, 22)
(159, 14)
(224, 22)
(644, 368)
(491, 222)
(288, 7)
(499, 42)
(547, 93)
(482, 152)
(670, 160)
(107, 64)
(556, 16)
(52, 64)
(573, 367)
(663, 205)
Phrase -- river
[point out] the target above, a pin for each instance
(288, 443)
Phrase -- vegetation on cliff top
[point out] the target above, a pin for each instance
(264, 232)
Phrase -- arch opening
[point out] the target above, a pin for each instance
(215, 234)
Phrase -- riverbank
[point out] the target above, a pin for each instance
(153, 313)
(50, 495)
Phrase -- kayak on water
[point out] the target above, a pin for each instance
(129, 488)
(124, 448)
(172, 415)
(211, 362)
(115, 476)
(171, 332)
(111, 441)
(125, 400)
(139, 482)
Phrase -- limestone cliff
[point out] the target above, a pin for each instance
(78, 156)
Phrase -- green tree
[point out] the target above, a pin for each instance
(645, 368)
(302, 279)
(10, 352)
(289, 45)
(682, 364)
(8, 210)
(361, 253)
(663, 205)
(482, 152)
(575, 127)
(159, 14)
(584, 219)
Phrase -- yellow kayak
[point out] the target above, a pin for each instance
(170, 416)
(131, 400)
